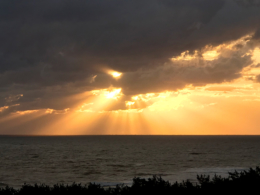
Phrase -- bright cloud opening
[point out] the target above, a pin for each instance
(116, 74)
(114, 94)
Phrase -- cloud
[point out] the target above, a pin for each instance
(52, 50)
(3, 108)
(248, 3)
(221, 88)
(196, 71)
(258, 78)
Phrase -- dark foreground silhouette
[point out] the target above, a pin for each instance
(245, 182)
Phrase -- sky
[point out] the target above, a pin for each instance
(150, 67)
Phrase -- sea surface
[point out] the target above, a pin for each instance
(110, 160)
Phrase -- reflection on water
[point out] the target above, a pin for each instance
(117, 159)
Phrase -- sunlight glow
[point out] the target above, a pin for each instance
(128, 103)
(114, 94)
(186, 56)
(26, 112)
(210, 55)
(86, 107)
(252, 71)
(3, 108)
(144, 97)
(256, 55)
(53, 111)
(219, 108)
(116, 74)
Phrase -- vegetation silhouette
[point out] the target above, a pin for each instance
(246, 182)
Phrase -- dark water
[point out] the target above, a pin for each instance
(117, 159)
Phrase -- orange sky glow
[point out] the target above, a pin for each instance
(230, 107)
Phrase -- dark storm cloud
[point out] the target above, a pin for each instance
(52, 49)
(75, 35)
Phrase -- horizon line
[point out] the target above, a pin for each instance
(20, 135)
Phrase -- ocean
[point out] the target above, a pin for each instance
(111, 160)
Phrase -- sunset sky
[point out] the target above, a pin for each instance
(170, 67)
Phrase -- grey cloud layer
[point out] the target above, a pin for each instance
(61, 44)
